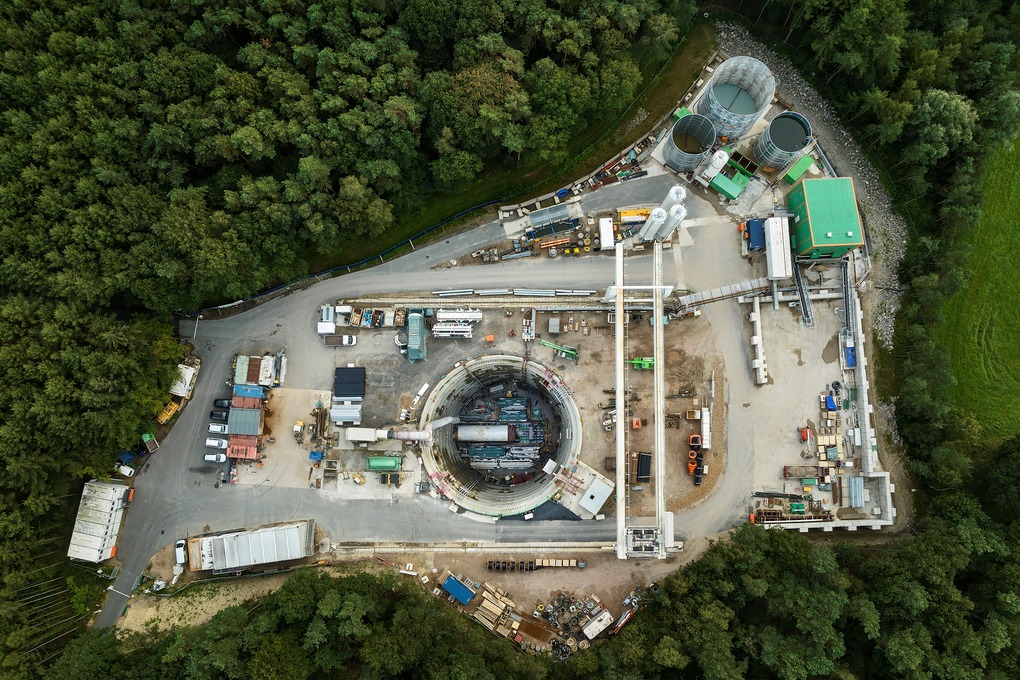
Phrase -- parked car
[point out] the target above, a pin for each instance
(216, 443)
(217, 428)
(180, 551)
(221, 403)
(126, 471)
(218, 415)
(348, 340)
(215, 457)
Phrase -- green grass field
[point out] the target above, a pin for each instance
(982, 331)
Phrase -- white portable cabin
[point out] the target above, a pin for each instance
(606, 239)
(452, 330)
(778, 251)
(327, 320)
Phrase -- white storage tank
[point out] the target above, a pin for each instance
(653, 224)
(715, 165)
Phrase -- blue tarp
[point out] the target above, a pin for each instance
(316, 455)
(126, 457)
(851, 357)
(830, 403)
(255, 391)
(460, 592)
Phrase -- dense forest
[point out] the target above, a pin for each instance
(160, 155)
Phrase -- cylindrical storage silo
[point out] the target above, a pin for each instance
(715, 165)
(738, 94)
(689, 142)
(676, 195)
(783, 140)
(676, 215)
(655, 220)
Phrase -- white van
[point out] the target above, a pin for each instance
(126, 471)
(215, 443)
(217, 428)
(215, 457)
(180, 552)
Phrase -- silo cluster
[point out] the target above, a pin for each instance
(665, 219)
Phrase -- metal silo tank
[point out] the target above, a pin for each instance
(689, 142)
(715, 165)
(651, 227)
(783, 141)
(738, 94)
(676, 195)
(673, 219)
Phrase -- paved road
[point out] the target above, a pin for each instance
(176, 495)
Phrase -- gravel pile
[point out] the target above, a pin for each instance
(886, 231)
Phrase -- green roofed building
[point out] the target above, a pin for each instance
(825, 221)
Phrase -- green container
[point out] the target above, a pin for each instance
(390, 463)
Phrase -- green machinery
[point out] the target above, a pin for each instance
(642, 363)
(562, 351)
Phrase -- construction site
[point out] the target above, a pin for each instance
(721, 372)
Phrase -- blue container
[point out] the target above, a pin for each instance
(851, 357)
(756, 235)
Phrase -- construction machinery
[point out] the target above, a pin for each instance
(562, 351)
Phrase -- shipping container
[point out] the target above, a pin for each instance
(377, 463)
(755, 234)
(644, 467)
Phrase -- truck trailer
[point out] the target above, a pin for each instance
(643, 467)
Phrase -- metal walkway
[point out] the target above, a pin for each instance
(848, 304)
(806, 311)
(724, 293)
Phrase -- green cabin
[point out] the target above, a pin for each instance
(825, 219)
